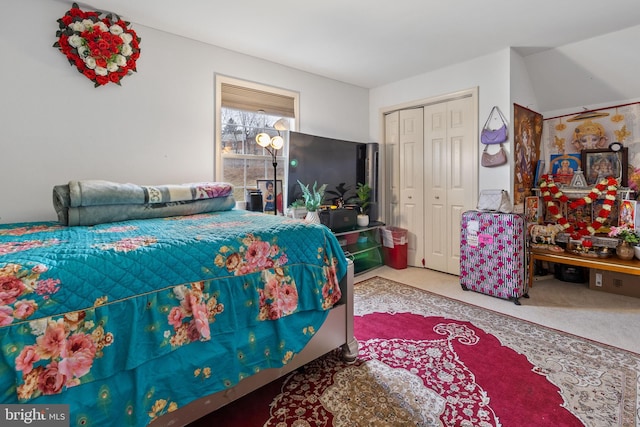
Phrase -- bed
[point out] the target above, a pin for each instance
(162, 320)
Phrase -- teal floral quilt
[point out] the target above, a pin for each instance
(127, 321)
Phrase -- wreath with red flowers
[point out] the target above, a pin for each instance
(103, 49)
(550, 190)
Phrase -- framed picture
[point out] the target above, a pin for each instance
(629, 214)
(598, 164)
(271, 197)
(532, 209)
(563, 166)
(581, 214)
(612, 220)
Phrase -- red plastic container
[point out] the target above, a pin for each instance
(394, 247)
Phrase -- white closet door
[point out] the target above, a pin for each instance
(392, 168)
(436, 188)
(431, 176)
(450, 179)
(411, 174)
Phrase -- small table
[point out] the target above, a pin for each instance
(609, 264)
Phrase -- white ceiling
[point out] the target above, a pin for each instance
(370, 43)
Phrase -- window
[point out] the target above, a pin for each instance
(244, 162)
(242, 111)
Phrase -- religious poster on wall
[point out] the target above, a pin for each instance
(563, 167)
(527, 129)
(565, 137)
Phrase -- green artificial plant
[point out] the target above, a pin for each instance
(363, 191)
(312, 197)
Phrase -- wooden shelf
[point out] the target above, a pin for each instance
(609, 264)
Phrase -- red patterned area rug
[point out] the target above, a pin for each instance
(427, 360)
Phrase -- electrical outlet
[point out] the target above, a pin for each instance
(598, 279)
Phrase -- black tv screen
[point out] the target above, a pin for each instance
(325, 161)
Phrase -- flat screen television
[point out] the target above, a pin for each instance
(327, 161)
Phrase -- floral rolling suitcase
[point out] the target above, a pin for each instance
(492, 254)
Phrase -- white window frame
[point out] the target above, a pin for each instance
(219, 81)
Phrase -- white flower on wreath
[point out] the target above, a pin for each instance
(90, 62)
(116, 30)
(76, 41)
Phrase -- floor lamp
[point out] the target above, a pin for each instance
(272, 145)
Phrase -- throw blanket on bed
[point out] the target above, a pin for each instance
(127, 320)
(98, 192)
(94, 202)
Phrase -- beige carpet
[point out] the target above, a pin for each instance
(569, 307)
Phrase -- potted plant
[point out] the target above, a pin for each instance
(312, 200)
(629, 239)
(363, 191)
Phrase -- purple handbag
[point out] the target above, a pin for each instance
(491, 134)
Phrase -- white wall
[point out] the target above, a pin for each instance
(594, 73)
(157, 128)
(598, 71)
(521, 88)
(489, 73)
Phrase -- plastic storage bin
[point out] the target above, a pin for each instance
(394, 247)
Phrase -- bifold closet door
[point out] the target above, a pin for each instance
(450, 179)
(404, 144)
(411, 210)
(431, 176)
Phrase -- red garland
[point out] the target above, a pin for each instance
(610, 184)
